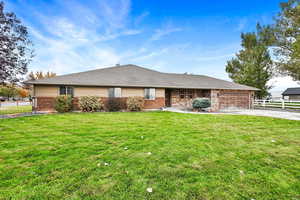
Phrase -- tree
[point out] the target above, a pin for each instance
(37, 75)
(15, 47)
(252, 66)
(287, 39)
(8, 91)
(23, 92)
(40, 75)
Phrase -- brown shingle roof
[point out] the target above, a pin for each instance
(135, 76)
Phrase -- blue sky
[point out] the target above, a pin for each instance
(195, 36)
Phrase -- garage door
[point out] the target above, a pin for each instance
(234, 99)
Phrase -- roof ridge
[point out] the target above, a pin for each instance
(202, 76)
(144, 68)
(231, 82)
(134, 75)
(99, 69)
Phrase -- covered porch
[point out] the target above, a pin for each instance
(183, 97)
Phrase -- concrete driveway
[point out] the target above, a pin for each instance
(254, 112)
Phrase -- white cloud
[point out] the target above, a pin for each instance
(65, 45)
(164, 31)
(141, 17)
(282, 83)
(132, 32)
(151, 54)
(71, 50)
(241, 24)
(115, 13)
(211, 58)
(144, 54)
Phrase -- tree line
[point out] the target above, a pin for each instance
(270, 51)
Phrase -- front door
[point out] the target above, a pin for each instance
(168, 97)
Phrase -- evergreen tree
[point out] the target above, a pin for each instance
(287, 39)
(252, 66)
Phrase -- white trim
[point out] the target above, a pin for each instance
(149, 93)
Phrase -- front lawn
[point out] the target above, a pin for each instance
(15, 109)
(120, 155)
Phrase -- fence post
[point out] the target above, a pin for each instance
(264, 103)
(282, 102)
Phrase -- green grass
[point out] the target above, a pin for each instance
(62, 156)
(15, 109)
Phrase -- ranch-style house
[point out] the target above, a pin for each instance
(158, 89)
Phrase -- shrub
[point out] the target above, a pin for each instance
(200, 103)
(115, 104)
(135, 103)
(63, 103)
(90, 104)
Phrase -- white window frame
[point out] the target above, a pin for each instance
(69, 90)
(117, 92)
(150, 93)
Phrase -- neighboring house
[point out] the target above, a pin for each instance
(159, 89)
(292, 94)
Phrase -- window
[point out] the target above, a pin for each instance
(150, 93)
(114, 92)
(189, 94)
(66, 90)
(185, 93)
(181, 93)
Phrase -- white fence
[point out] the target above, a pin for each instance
(14, 103)
(283, 104)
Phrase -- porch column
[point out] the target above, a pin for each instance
(214, 96)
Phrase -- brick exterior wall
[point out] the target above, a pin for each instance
(159, 102)
(220, 100)
(231, 99)
(47, 103)
(214, 99)
(44, 104)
